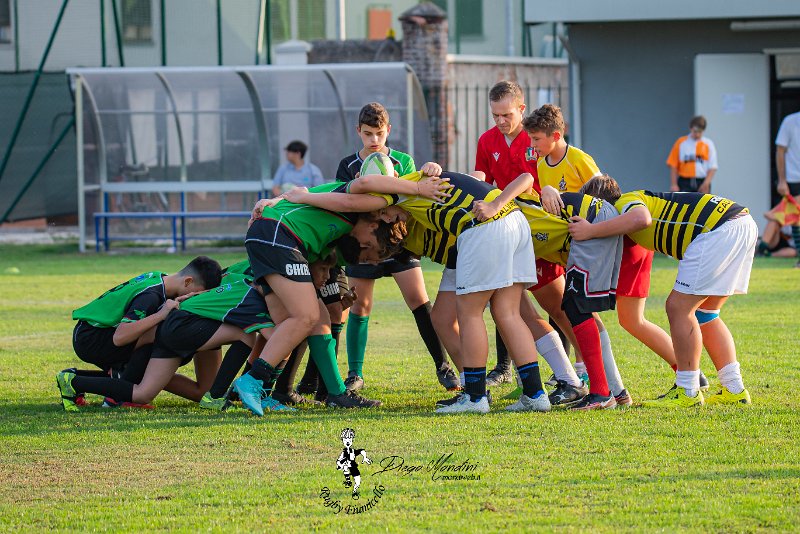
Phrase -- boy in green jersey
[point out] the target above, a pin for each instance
(228, 314)
(114, 325)
(373, 129)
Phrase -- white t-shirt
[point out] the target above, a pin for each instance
(789, 137)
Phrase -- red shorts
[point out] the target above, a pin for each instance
(546, 272)
(634, 271)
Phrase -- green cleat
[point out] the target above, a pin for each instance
(68, 393)
(675, 398)
(210, 403)
(726, 397)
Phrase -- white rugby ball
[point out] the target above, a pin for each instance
(377, 163)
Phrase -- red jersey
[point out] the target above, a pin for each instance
(502, 163)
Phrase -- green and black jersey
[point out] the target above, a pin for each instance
(241, 267)
(234, 302)
(126, 303)
(314, 227)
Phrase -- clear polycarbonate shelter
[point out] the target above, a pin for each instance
(211, 138)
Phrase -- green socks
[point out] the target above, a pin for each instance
(322, 349)
(357, 327)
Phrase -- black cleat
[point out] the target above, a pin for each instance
(565, 395)
(447, 378)
(353, 382)
(350, 399)
(498, 376)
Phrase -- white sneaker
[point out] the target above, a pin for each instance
(527, 404)
(464, 405)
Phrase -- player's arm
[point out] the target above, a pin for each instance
(672, 163)
(486, 210)
(131, 330)
(432, 188)
(635, 219)
(780, 163)
(482, 163)
(341, 202)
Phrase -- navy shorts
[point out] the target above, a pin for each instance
(272, 248)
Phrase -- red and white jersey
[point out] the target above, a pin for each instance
(503, 163)
(693, 157)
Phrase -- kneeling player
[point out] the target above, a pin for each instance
(227, 315)
(714, 238)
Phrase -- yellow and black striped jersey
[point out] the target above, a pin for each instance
(678, 218)
(453, 215)
(550, 233)
(440, 247)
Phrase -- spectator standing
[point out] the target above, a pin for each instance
(693, 160)
(787, 160)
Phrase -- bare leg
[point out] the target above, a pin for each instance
(630, 311)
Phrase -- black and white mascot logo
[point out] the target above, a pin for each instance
(347, 461)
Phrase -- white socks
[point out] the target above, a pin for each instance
(688, 380)
(730, 377)
(612, 372)
(552, 350)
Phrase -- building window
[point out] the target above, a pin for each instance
(137, 21)
(5, 21)
(468, 16)
(297, 19)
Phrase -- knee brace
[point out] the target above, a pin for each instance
(706, 316)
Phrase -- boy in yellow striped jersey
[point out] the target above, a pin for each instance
(714, 238)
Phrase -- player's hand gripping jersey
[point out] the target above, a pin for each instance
(678, 218)
(315, 228)
(551, 237)
(454, 215)
(126, 303)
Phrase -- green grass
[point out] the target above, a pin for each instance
(723, 469)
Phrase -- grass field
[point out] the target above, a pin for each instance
(722, 469)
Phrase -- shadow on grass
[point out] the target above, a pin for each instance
(41, 419)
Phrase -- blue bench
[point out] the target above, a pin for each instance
(102, 218)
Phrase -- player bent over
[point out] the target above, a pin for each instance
(714, 239)
(225, 315)
(111, 329)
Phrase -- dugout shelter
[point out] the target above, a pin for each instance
(187, 150)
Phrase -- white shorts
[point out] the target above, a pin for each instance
(718, 263)
(495, 255)
(448, 282)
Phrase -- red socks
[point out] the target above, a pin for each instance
(589, 342)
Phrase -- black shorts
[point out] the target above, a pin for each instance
(96, 346)
(273, 249)
(181, 334)
(690, 185)
(384, 268)
(575, 294)
(335, 286)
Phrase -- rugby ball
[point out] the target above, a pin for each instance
(377, 163)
